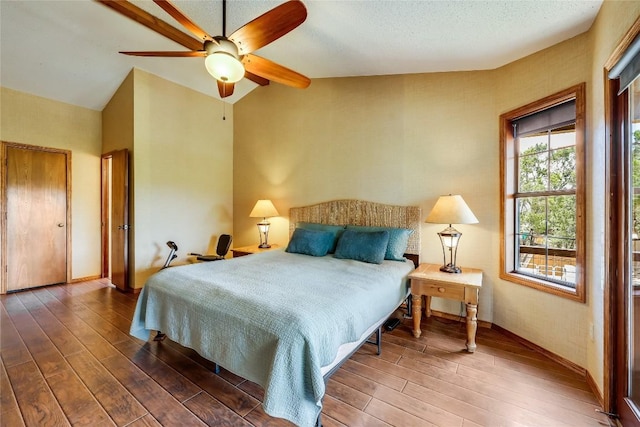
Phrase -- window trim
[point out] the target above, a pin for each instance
(508, 187)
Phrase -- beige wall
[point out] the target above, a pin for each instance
(29, 119)
(117, 118)
(182, 172)
(517, 84)
(407, 139)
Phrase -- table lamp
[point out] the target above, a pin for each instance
(450, 210)
(263, 209)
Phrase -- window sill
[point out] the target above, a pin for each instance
(544, 286)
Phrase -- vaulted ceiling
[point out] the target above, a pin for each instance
(68, 50)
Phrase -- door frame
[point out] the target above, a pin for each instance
(3, 196)
(106, 179)
(105, 197)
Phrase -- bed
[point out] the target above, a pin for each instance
(282, 319)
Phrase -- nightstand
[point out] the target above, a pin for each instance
(427, 280)
(251, 249)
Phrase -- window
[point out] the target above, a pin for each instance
(542, 194)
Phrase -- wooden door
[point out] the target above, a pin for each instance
(116, 221)
(37, 218)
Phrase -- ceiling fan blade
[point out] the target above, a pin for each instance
(256, 79)
(275, 72)
(132, 11)
(185, 54)
(269, 27)
(183, 19)
(225, 89)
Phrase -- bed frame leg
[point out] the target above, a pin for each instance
(378, 341)
(409, 305)
(160, 337)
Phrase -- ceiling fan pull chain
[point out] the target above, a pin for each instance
(224, 104)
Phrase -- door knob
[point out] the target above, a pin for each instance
(60, 224)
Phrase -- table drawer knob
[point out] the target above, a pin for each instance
(441, 290)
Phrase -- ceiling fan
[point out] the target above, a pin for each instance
(227, 59)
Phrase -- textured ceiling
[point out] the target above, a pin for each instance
(68, 50)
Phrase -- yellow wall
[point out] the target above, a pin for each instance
(182, 172)
(29, 119)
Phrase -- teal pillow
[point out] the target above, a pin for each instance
(310, 242)
(367, 246)
(337, 231)
(398, 240)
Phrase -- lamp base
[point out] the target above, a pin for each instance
(450, 268)
(263, 231)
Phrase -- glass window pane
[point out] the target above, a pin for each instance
(562, 221)
(563, 169)
(531, 245)
(565, 137)
(533, 172)
(546, 246)
(532, 218)
(636, 217)
(533, 143)
(562, 237)
(635, 158)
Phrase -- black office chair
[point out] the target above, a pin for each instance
(224, 243)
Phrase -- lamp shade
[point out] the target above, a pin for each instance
(263, 209)
(451, 209)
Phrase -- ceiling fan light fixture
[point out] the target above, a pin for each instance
(224, 67)
(223, 62)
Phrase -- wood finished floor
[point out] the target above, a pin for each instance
(67, 359)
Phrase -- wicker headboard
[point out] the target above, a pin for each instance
(359, 212)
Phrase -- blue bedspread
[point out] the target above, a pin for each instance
(274, 318)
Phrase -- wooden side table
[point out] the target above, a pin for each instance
(429, 281)
(251, 249)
